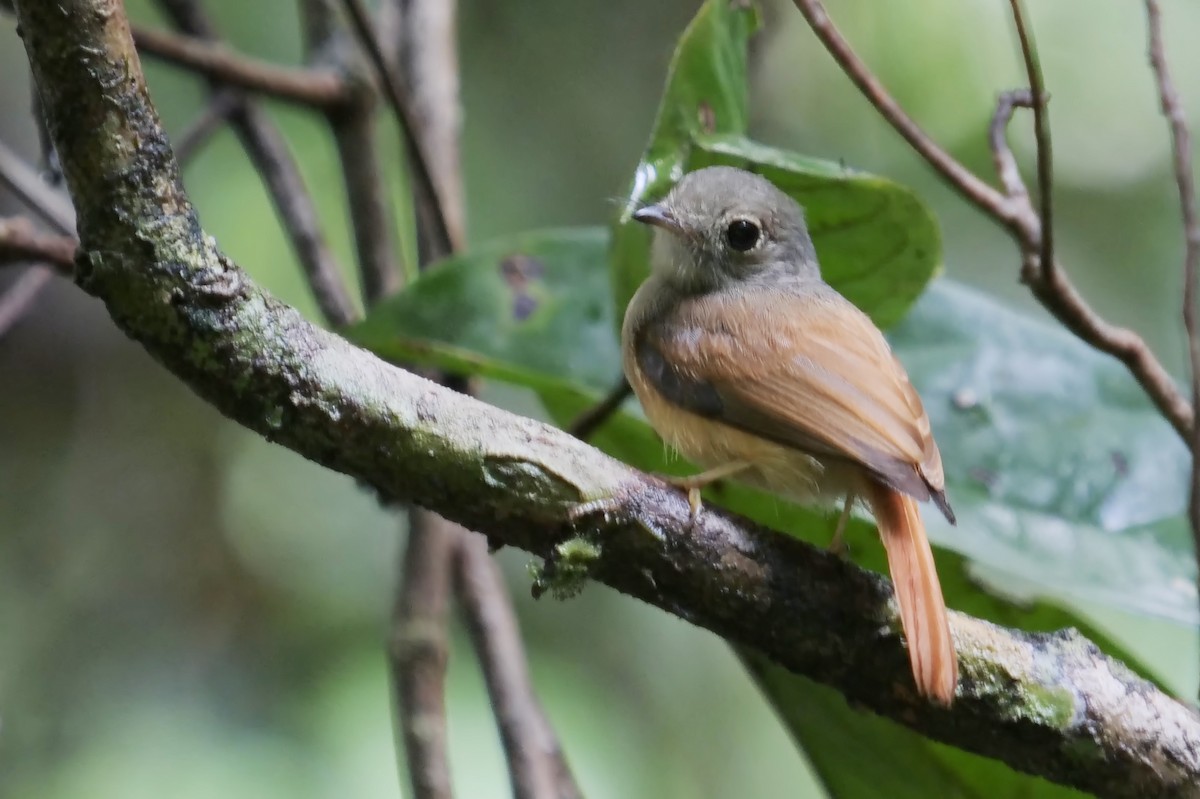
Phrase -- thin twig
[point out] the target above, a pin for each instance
(312, 87)
(1181, 150)
(215, 114)
(1002, 156)
(51, 204)
(21, 242)
(269, 152)
(590, 420)
(419, 651)
(958, 176)
(355, 133)
(537, 765)
(1052, 288)
(1041, 132)
(429, 199)
(20, 296)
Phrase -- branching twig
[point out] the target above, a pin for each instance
(1041, 132)
(312, 87)
(1051, 287)
(1181, 151)
(269, 152)
(429, 199)
(536, 763)
(590, 420)
(1048, 704)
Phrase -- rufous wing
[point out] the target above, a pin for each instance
(802, 368)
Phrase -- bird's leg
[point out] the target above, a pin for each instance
(837, 544)
(692, 484)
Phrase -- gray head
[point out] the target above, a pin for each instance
(722, 224)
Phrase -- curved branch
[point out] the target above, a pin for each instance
(311, 87)
(1051, 705)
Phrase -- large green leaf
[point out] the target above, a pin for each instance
(705, 93)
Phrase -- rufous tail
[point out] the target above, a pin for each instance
(918, 592)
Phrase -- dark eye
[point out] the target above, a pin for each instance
(742, 234)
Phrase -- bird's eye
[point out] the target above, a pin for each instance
(742, 234)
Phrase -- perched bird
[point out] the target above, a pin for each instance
(754, 368)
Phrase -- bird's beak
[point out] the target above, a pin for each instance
(658, 216)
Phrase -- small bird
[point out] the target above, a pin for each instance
(755, 369)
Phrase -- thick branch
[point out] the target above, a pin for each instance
(1048, 704)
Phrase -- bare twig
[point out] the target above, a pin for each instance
(215, 114)
(418, 651)
(51, 204)
(269, 152)
(1181, 151)
(1041, 132)
(537, 766)
(1002, 156)
(1051, 287)
(312, 87)
(590, 420)
(21, 242)
(430, 201)
(24, 291)
(958, 176)
(355, 133)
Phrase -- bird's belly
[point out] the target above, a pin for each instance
(781, 470)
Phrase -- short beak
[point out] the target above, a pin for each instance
(658, 216)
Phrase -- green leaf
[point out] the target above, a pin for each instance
(877, 242)
(533, 310)
(705, 93)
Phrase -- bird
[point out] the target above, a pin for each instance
(755, 369)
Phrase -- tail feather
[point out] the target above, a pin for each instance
(918, 592)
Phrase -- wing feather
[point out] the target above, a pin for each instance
(805, 369)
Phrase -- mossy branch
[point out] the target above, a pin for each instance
(1051, 705)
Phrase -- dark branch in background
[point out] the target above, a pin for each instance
(419, 651)
(16, 301)
(355, 134)
(590, 420)
(1181, 152)
(21, 242)
(1052, 705)
(312, 87)
(268, 151)
(429, 201)
(537, 766)
(1041, 132)
(215, 115)
(49, 203)
(427, 48)
(1051, 287)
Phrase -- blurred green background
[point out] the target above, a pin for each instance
(187, 610)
